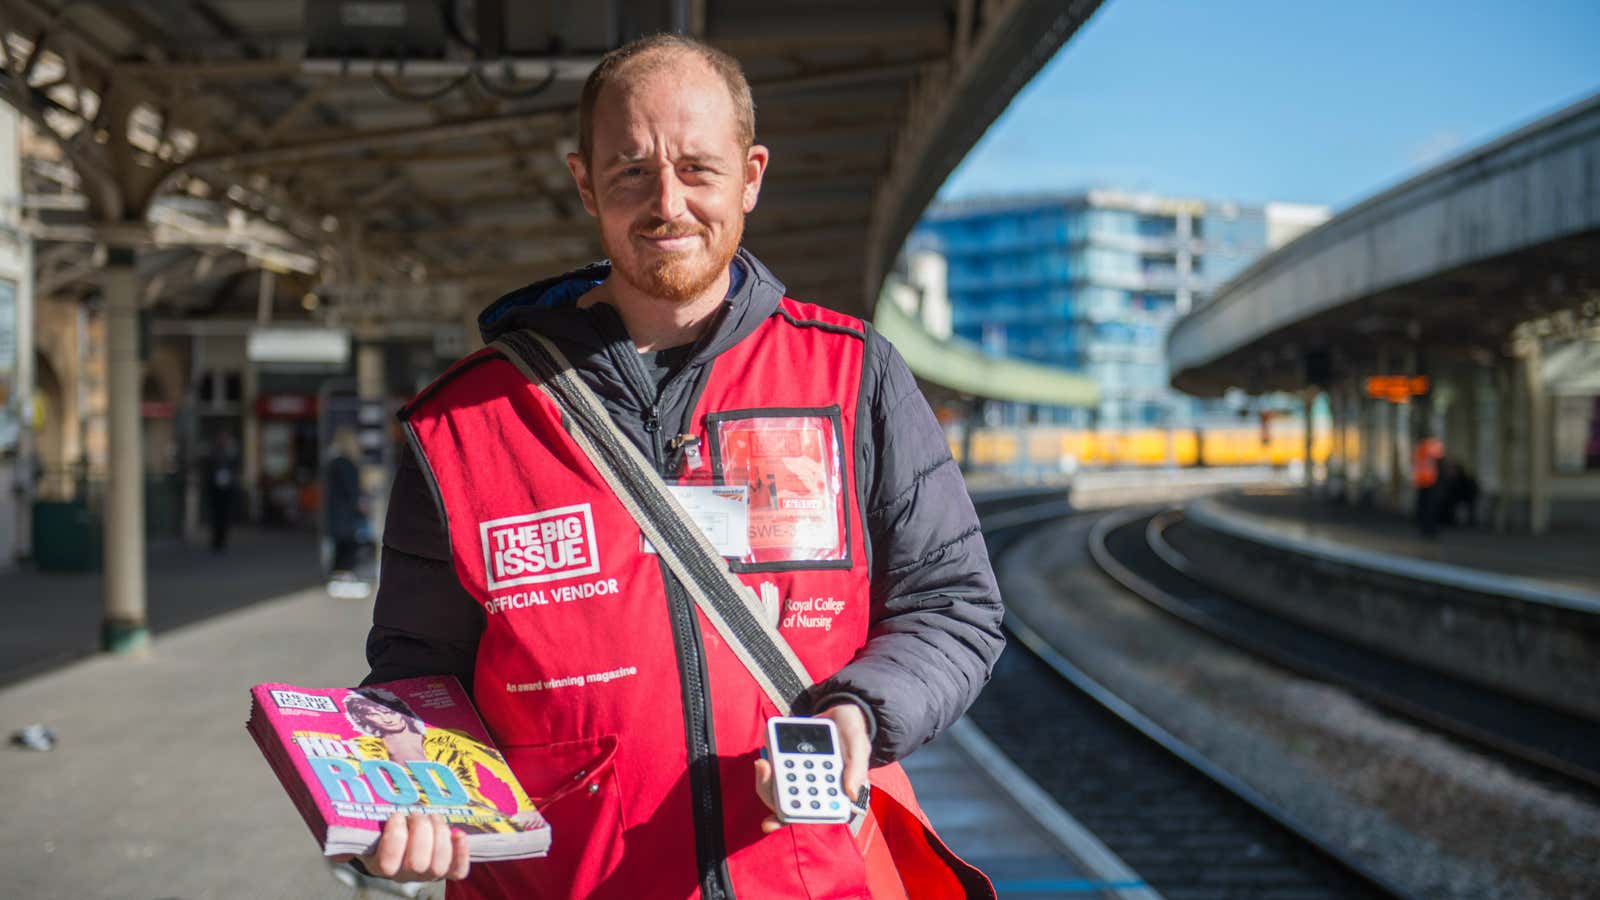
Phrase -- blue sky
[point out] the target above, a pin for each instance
(1256, 100)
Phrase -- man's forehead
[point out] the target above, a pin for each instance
(686, 94)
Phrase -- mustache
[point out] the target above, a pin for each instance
(663, 230)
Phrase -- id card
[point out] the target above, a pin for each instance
(721, 511)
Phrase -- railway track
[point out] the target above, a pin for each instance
(1133, 550)
(1189, 829)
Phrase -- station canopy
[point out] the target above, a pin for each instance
(403, 160)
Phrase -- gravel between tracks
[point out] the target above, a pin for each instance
(1435, 816)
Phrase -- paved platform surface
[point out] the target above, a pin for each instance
(53, 618)
(985, 826)
(1565, 559)
(155, 792)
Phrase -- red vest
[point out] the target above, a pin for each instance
(580, 671)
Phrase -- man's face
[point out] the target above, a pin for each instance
(669, 180)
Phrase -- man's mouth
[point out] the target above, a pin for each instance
(670, 240)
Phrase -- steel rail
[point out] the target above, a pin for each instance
(1415, 710)
(1181, 753)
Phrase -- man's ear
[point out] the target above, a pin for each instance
(755, 167)
(580, 175)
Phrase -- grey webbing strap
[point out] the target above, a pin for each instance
(731, 607)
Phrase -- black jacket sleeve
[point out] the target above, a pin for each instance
(423, 621)
(936, 608)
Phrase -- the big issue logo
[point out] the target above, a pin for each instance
(542, 546)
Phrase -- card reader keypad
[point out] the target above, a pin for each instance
(822, 799)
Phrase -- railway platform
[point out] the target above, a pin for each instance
(154, 789)
(1561, 564)
(1518, 614)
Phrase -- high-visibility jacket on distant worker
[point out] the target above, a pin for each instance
(1425, 462)
(631, 724)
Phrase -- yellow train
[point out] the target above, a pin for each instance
(1067, 448)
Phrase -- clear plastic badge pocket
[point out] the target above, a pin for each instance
(791, 461)
(722, 512)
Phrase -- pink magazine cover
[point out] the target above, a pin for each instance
(351, 757)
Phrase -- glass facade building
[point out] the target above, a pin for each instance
(1092, 282)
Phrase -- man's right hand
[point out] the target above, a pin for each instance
(416, 848)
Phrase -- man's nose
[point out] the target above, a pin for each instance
(669, 194)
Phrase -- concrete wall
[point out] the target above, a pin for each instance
(1543, 652)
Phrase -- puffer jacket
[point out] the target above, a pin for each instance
(937, 631)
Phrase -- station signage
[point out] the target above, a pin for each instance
(1396, 388)
(286, 406)
(328, 347)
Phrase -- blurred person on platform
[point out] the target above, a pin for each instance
(346, 507)
(222, 482)
(1426, 461)
(1458, 489)
(510, 564)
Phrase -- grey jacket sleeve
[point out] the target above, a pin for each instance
(936, 608)
(423, 621)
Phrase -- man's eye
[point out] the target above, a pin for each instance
(632, 172)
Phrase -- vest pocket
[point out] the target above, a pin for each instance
(574, 786)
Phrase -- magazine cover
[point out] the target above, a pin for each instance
(351, 757)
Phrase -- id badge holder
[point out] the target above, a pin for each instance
(722, 511)
(792, 463)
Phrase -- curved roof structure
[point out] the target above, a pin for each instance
(1451, 260)
(964, 368)
(447, 173)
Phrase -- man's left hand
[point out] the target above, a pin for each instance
(856, 749)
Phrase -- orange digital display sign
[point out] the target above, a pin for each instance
(1396, 388)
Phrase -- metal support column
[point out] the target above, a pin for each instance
(1369, 447)
(969, 429)
(1506, 393)
(1355, 446)
(23, 481)
(1335, 471)
(1350, 423)
(372, 385)
(250, 422)
(250, 440)
(1538, 458)
(1310, 435)
(125, 628)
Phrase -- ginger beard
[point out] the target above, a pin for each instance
(678, 276)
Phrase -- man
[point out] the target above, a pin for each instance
(345, 506)
(1425, 460)
(222, 476)
(629, 721)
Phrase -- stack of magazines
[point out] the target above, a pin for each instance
(351, 757)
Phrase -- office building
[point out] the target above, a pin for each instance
(1092, 282)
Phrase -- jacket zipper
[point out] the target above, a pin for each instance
(658, 450)
(704, 782)
(699, 730)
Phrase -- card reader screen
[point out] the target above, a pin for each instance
(804, 739)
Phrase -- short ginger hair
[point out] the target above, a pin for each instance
(649, 54)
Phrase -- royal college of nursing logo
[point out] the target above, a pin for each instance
(542, 546)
